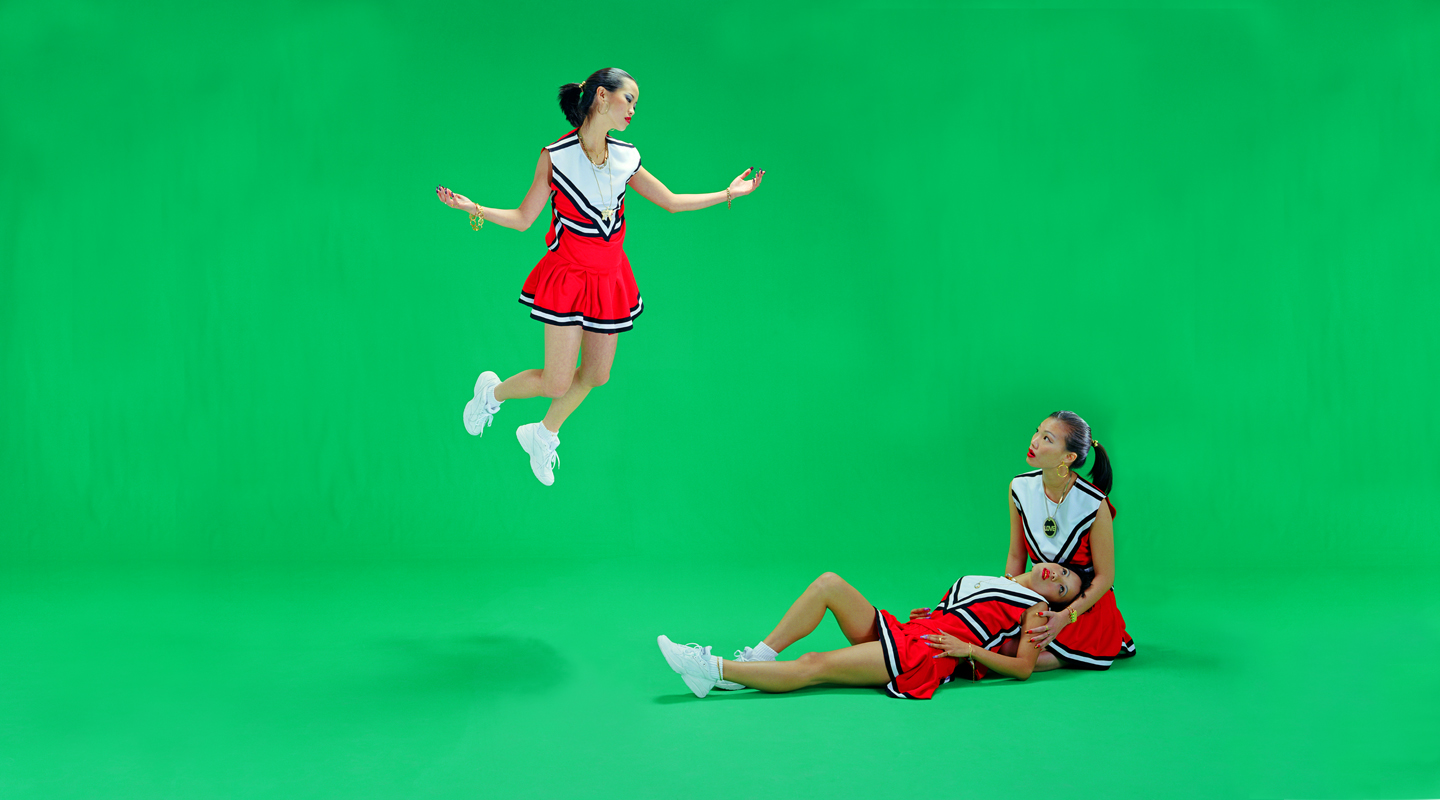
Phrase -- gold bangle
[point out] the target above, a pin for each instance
(1074, 615)
(477, 219)
(728, 198)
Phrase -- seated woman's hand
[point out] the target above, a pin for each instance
(919, 613)
(1043, 635)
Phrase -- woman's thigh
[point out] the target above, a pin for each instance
(856, 665)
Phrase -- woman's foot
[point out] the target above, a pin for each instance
(480, 410)
(540, 443)
(700, 670)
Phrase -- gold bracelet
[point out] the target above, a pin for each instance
(1074, 615)
(728, 198)
(477, 219)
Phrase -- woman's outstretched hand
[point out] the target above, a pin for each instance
(453, 200)
(740, 186)
(1042, 636)
(919, 613)
(952, 646)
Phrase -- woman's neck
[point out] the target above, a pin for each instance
(593, 135)
(1024, 580)
(1056, 486)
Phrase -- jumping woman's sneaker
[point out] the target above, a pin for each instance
(540, 443)
(700, 670)
(748, 654)
(482, 408)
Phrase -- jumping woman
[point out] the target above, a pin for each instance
(979, 620)
(583, 289)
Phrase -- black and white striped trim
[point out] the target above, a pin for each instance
(591, 324)
(1076, 659)
(1073, 540)
(1088, 488)
(891, 658)
(601, 227)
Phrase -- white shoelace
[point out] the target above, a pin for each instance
(704, 652)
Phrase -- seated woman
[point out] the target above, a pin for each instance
(977, 618)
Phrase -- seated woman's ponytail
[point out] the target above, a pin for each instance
(1100, 474)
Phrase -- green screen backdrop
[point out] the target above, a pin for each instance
(249, 550)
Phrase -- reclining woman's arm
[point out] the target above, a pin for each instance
(1018, 666)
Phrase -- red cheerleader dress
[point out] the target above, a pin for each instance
(585, 279)
(1098, 637)
(984, 611)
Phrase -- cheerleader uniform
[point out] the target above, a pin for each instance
(983, 611)
(1098, 637)
(585, 279)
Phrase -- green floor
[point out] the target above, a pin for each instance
(543, 680)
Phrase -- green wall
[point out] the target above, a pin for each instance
(236, 325)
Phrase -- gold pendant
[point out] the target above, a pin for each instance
(606, 212)
(1050, 527)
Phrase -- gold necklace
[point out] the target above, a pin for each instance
(607, 209)
(1050, 527)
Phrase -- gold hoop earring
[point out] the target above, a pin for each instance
(1063, 469)
(605, 109)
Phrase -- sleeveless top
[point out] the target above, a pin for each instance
(992, 608)
(1071, 540)
(579, 191)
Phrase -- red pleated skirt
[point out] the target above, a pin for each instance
(561, 292)
(1096, 639)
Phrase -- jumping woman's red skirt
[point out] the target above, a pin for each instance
(561, 292)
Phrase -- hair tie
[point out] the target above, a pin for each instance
(1094, 442)
(582, 86)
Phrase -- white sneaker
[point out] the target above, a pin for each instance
(748, 654)
(693, 662)
(541, 447)
(478, 412)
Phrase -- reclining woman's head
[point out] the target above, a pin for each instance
(1059, 584)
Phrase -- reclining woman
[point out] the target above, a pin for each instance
(980, 619)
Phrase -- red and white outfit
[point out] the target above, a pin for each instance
(1098, 637)
(585, 279)
(981, 610)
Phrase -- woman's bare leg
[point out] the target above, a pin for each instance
(854, 613)
(562, 347)
(858, 665)
(597, 355)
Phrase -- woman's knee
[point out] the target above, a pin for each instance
(812, 665)
(555, 383)
(829, 580)
(594, 378)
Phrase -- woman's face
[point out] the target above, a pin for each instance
(1047, 445)
(1055, 583)
(621, 106)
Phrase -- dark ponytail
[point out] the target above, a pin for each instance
(1100, 473)
(575, 99)
(1078, 441)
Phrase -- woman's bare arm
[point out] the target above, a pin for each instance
(656, 192)
(1015, 562)
(518, 218)
(1019, 666)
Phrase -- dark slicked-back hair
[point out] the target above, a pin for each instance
(576, 102)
